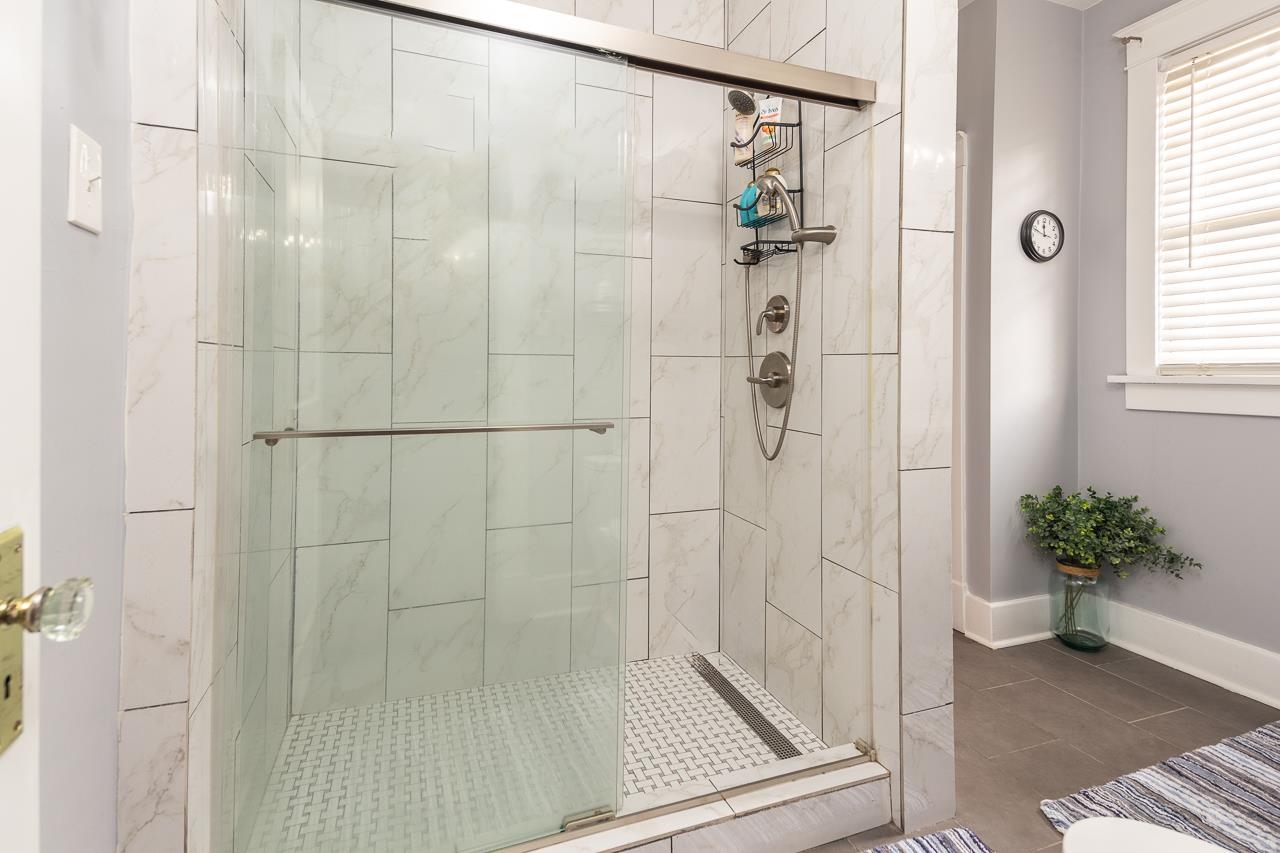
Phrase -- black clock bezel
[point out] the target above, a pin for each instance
(1028, 248)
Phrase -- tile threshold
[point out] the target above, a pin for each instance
(786, 785)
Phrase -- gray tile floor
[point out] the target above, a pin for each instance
(1042, 721)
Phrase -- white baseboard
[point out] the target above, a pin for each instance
(998, 624)
(1239, 667)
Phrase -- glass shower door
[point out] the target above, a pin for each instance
(435, 382)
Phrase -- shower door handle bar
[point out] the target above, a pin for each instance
(272, 437)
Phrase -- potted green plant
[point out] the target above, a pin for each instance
(1087, 533)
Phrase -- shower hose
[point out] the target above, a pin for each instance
(751, 360)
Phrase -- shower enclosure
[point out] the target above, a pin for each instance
(464, 606)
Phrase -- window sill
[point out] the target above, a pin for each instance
(1258, 396)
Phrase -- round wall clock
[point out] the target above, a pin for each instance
(1042, 236)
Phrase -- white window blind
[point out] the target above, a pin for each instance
(1218, 292)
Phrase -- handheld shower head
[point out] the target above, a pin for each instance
(742, 102)
(774, 185)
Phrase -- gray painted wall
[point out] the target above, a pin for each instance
(85, 316)
(1214, 480)
(975, 115)
(1033, 148)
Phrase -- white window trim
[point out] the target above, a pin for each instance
(1168, 32)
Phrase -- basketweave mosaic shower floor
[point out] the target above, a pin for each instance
(438, 772)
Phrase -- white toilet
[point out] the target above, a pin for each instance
(1118, 835)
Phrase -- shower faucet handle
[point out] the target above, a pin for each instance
(777, 314)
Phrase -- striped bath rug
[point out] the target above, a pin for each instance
(950, 841)
(1227, 794)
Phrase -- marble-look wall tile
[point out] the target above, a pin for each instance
(528, 603)
(740, 13)
(161, 371)
(565, 6)
(684, 583)
(344, 489)
(929, 115)
(794, 23)
(603, 185)
(253, 762)
(793, 542)
(744, 464)
(530, 479)
(435, 649)
(860, 270)
(596, 638)
(699, 21)
(742, 595)
(638, 498)
(793, 667)
(686, 278)
(860, 465)
(346, 257)
(439, 103)
(437, 519)
(886, 720)
(440, 317)
(155, 636)
(525, 389)
(152, 792)
(685, 435)
(642, 174)
(445, 42)
(162, 62)
(279, 651)
(637, 619)
(340, 627)
(531, 211)
(926, 589)
(928, 767)
(926, 349)
(598, 487)
(638, 330)
(632, 14)
(339, 390)
(346, 84)
(865, 40)
(846, 656)
(736, 278)
(687, 143)
(600, 337)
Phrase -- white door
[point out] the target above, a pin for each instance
(20, 88)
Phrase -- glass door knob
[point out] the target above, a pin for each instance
(60, 612)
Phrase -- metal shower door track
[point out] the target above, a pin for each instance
(646, 51)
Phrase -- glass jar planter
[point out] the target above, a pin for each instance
(1080, 607)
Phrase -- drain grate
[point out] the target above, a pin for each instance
(742, 706)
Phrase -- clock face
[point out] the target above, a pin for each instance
(1042, 236)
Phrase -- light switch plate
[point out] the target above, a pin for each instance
(84, 182)
(10, 640)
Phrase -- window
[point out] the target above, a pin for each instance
(1203, 209)
(1218, 246)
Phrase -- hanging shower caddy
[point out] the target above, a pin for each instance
(788, 136)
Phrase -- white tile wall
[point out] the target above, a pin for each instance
(161, 370)
(156, 637)
(339, 390)
(865, 40)
(742, 595)
(595, 636)
(162, 50)
(687, 140)
(928, 767)
(152, 786)
(344, 490)
(684, 450)
(686, 278)
(527, 603)
(684, 583)
(846, 664)
(340, 633)
(793, 537)
(435, 649)
(926, 584)
(691, 20)
(793, 24)
(926, 349)
(793, 666)
(929, 116)
(744, 465)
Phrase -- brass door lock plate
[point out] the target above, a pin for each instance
(10, 640)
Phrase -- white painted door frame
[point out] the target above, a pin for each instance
(20, 98)
(958, 468)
